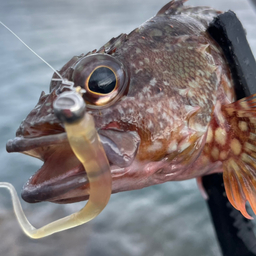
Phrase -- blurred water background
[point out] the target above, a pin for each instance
(168, 219)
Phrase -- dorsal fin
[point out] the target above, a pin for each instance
(113, 44)
(171, 7)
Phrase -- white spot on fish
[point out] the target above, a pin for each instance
(146, 60)
(158, 61)
(150, 124)
(138, 50)
(152, 82)
(243, 126)
(146, 89)
(183, 92)
(236, 146)
(159, 106)
(215, 153)
(156, 32)
(150, 110)
(223, 155)
(130, 110)
(140, 96)
(221, 136)
(173, 104)
(157, 145)
(173, 146)
(164, 116)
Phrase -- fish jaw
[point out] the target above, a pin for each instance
(62, 173)
(63, 179)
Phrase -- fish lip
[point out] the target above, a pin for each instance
(23, 144)
(54, 188)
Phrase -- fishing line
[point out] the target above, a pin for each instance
(50, 66)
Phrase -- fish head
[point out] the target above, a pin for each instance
(139, 100)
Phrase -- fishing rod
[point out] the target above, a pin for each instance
(234, 232)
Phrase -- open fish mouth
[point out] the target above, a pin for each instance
(60, 173)
(62, 178)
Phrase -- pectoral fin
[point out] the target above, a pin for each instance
(234, 138)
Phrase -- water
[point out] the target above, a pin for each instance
(169, 219)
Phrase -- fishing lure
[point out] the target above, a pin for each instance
(83, 139)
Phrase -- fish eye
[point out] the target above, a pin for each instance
(102, 80)
(103, 77)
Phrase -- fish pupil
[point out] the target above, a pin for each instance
(102, 80)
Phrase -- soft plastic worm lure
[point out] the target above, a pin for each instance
(84, 141)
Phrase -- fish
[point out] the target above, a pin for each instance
(164, 106)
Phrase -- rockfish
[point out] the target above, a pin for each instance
(163, 102)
